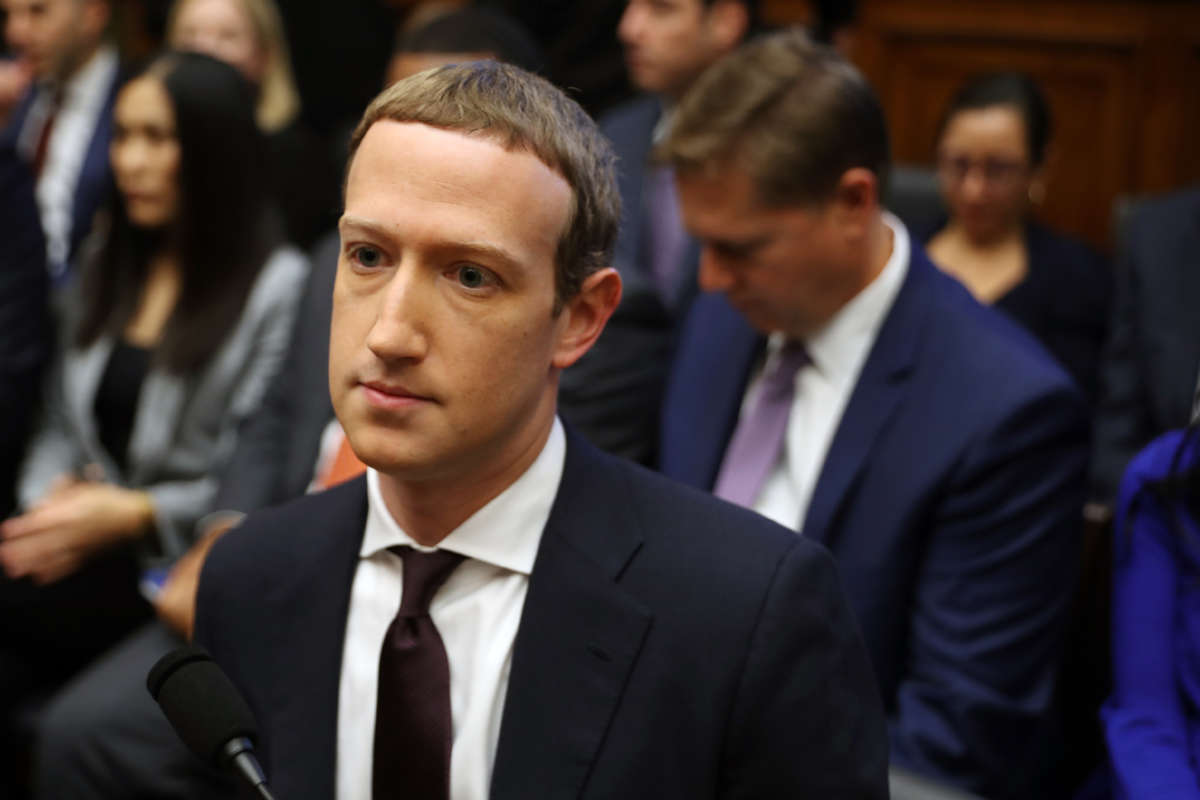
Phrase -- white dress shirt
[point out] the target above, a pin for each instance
(476, 611)
(836, 353)
(83, 99)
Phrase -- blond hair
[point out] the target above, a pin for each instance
(521, 111)
(793, 114)
(278, 100)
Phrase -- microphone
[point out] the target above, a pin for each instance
(208, 713)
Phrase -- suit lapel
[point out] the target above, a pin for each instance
(876, 396)
(82, 371)
(717, 351)
(95, 175)
(579, 637)
(315, 604)
(160, 408)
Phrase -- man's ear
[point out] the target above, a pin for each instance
(728, 23)
(94, 16)
(585, 314)
(856, 199)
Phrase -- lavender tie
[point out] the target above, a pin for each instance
(758, 438)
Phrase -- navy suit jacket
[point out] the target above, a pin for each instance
(950, 498)
(95, 182)
(670, 646)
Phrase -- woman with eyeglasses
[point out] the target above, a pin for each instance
(991, 153)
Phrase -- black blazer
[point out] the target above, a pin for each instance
(1064, 301)
(1149, 373)
(25, 344)
(671, 646)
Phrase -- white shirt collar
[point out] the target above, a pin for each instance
(89, 85)
(506, 532)
(837, 349)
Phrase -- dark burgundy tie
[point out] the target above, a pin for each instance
(412, 713)
(43, 141)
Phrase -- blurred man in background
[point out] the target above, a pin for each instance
(57, 97)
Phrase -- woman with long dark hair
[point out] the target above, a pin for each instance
(181, 319)
(1152, 719)
(992, 148)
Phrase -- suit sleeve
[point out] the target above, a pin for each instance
(1123, 422)
(807, 720)
(991, 601)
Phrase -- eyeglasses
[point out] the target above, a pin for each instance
(995, 171)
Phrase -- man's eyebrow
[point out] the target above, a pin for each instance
(739, 245)
(485, 250)
(364, 224)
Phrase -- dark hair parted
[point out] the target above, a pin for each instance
(1014, 90)
(476, 30)
(223, 230)
(793, 114)
(520, 111)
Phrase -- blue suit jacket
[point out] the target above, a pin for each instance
(950, 498)
(670, 646)
(95, 182)
(630, 129)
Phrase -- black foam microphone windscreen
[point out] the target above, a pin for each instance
(201, 703)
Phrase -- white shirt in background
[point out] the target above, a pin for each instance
(823, 387)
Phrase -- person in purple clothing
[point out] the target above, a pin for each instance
(1152, 719)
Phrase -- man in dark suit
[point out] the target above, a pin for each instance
(61, 124)
(569, 625)
(1151, 367)
(24, 318)
(618, 385)
(840, 384)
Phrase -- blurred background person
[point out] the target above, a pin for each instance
(249, 35)
(463, 34)
(180, 323)
(614, 393)
(59, 94)
(1152, 719)
(1151, 367)
(24, 317)
(991, 156)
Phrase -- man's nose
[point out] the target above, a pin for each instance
(16, 32)
(630, 26)
(401, 324)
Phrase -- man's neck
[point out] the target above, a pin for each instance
(875, 253)
(428, 510)
(77, 65)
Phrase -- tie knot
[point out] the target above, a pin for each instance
(424, 573)
(777, 380)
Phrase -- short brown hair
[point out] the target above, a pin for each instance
(523, 112)
(795, 115)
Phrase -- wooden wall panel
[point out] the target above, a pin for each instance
(1122, 78)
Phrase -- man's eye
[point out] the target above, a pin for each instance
(472, 277)
(366, 256)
